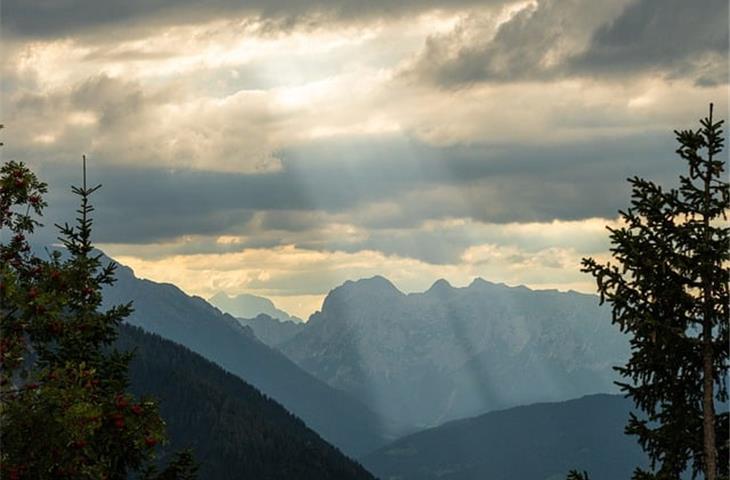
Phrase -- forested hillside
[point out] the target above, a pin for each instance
(535, 442)
(235, 431)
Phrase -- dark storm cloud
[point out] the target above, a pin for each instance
(41, 18)
(681, 38)
(493, 184)
(675, 38)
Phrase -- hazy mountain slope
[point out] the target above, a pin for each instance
(272, 331)
(250, 306)
(535, 442)
(234, 430)
(454, 352)
(166, 310)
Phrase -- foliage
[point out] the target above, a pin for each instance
(669, 292)
(65, 409)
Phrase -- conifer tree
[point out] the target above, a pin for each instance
(64, 407)
(669, 292)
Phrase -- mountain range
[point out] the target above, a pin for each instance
(447, 353)
(167, 311)
(374, 354)
(272, 331)
(235, 431)
(247, 305)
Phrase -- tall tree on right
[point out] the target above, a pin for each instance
(669, 292)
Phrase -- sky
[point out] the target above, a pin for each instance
(281, 147)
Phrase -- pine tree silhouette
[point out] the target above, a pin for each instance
(669, 292)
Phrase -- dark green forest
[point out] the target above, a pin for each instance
(233, 430)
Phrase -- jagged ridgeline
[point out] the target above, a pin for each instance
(167, 311)
(234, 431)
(447, 353)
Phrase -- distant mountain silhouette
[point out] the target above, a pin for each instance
(536, 442)
(447, 353)
(234, 430)
(167, 311)
(250, 306)
(272, 331)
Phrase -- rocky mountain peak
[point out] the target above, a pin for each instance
(440, 287)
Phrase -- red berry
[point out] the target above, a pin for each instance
(150, 441)
(136, 409)
(117, 420)
(121, 402)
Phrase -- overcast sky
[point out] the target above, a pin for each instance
(280, 147)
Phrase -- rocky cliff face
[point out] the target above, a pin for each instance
(450, 352)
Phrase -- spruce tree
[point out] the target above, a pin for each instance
(64, 405)
(669, 292)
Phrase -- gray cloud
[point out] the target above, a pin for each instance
(564, 38)
(39, 18)
(384, 186)
(375, 186)
(676, 37)
(124, 122)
